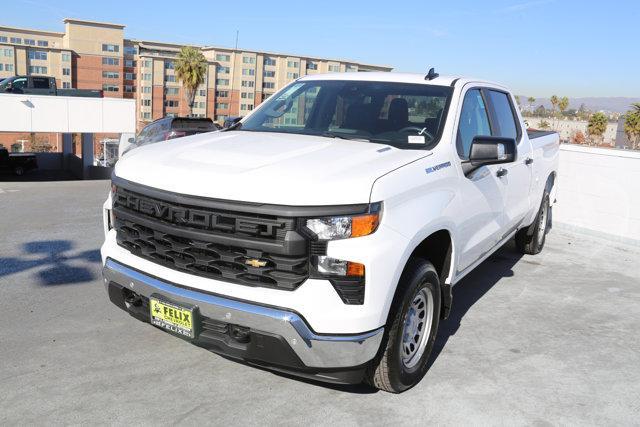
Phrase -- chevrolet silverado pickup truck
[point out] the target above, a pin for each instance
(322, 234)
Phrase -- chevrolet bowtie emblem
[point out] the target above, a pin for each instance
(255, 263)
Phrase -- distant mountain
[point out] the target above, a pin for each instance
(612, 104)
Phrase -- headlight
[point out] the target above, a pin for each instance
(344, 227)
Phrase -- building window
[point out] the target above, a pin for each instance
(171, 103)
(170, 78)
(3, 39)
(293, 64)
(268, 85)
(129, 63)
(1, 67)
(66, 57)
(66, 71)
(129, 76)
(222, 93)
(201, 105)
(66, 85)
(130, 50)
(292, 75)
(110, 61)
(266, 95)
(146, 103)
(169, 65)
(110, 88)
(222, 57)
(146, 115)
(248, 60)
(110, 47)
(312, 66)
(351, 68)
(146, 76)
(334, 68)
(247, 83)
(246, 95)
(269, 73)
(222, 70)
(8, 67)
(146, 89)
(30, 42)
(37, 54)
(16, 40)
(246, 107)
(172, 91)
(146, 63)
(110, 75)
(34, 69)
(222, 82)
(129, 89)
(203, 92)
(6, 52)
(43, 43)
(248, 72)
(269, 61)
(222, 105)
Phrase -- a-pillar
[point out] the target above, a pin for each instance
(87, 154)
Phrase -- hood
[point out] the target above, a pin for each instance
(263, 167)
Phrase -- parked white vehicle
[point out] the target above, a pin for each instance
(322, 234)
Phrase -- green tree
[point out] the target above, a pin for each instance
(191, 69)
(636, 106)
(544, 124)
(632, 126)
(531, 101)
(554, 102)
(563, 104)
(596, 127)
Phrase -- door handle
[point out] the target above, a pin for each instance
(501, 172)
(528, 161)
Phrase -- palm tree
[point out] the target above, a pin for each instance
(191, 69)
(632, 126)
(597, 126)
(554, 103)
(531, 101)
(636, 106)
(563, 104)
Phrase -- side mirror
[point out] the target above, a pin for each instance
(131, 140)
(9, 87)
(490, 150)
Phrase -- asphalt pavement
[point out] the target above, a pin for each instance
(538, 340)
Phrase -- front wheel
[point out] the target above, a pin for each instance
(18, 170)
(530, 240)
(413, 325)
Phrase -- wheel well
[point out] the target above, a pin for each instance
(550, 181)
(438, 249)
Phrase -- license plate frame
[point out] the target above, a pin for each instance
(177, 318)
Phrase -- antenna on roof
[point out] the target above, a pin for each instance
(431, 74)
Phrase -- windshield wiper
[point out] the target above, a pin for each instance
(345, 136)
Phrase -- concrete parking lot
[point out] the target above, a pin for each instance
(547, 339)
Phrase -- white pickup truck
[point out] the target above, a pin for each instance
(322, 234)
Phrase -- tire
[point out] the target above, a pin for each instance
(18, 170)
(530, 240)
(399, 366)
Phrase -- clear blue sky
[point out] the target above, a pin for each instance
(537, 47)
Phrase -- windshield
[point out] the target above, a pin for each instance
(400, 114)
(5, 82)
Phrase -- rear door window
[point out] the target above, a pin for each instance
(40, 83)
(504, 119)
(474, 121)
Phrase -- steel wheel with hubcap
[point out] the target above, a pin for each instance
(530, 240)
(411, 330)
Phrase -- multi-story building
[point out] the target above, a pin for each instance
(96, 55)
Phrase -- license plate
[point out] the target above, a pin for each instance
(172, 317)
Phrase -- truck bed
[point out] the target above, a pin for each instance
(534, 133)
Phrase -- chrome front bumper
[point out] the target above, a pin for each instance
(315, 351)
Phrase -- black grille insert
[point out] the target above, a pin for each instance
(253, 250)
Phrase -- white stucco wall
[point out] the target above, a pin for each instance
(40, 113)
(599, 190)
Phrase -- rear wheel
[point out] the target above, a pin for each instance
(530, 240)
(412, 328)
(18, 170)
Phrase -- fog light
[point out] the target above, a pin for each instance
(337, 267)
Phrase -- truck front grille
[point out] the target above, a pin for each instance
(230, 246)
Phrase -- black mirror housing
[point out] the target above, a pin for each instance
(490, 150)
